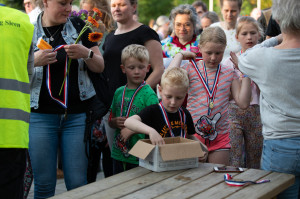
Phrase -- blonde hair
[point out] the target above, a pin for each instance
(248, 20)
(213, 34)
(104, 7)
(175, 77)
(136, 51)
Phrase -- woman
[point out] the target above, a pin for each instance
(230, 10)
(128, 32)
(280, 104)
(209, 18)
(183, 21)
(54, 119)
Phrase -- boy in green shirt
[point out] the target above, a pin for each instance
(129, 100)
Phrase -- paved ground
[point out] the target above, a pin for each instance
(60, 186)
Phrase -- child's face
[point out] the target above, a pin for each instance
(248, 36)
(212, 54)
(135, 71)
(172, 97)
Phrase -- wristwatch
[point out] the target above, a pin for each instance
(90, 56)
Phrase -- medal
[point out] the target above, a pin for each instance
(211, 105)
(204, 80)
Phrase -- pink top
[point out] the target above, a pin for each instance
(254, 88)
(197, 102)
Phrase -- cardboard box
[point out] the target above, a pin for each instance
(177, 153)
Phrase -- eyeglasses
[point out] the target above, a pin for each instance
(186, 26)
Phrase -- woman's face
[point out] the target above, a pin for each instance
(230, 12)
(184, 28)
(122, 10)
(57, 11)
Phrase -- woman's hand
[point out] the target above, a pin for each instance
(76, 51)
(44, 57)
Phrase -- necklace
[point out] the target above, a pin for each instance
(52, 36)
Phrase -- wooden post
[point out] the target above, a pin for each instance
(211, 5)
(259, 4)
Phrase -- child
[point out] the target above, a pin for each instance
(208, 97)
(245, 125)
(129, 100)
(168, 118)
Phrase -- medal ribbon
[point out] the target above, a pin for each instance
(210, 92)
(182, 117)
(230, 182)
(131, 100)
(63, 102)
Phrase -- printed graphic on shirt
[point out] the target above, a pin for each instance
(121, 145)
(176, 127)
(206, 127)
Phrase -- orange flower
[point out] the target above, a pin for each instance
(93, 21)
(99, 13)
(95, 36)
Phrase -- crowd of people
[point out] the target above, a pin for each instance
(229, 84)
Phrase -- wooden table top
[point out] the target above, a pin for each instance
(201, 182)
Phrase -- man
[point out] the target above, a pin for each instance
(200, 7)
(16, 65)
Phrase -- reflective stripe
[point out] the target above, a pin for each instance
(15, 85)
(14, 114)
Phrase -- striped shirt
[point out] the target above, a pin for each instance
(198, 100)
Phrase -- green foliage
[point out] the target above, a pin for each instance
(17, 4)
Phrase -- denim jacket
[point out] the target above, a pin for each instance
(69, 34)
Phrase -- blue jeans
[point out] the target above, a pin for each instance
(46, 132)
(283, 155)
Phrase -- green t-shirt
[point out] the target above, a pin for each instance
(145, 97)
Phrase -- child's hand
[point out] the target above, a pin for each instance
(204, 158)
(155, 138)
(126, 134)
(234, 60)
(118, 122)
(187, 54)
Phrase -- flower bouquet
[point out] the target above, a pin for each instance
(90, 22)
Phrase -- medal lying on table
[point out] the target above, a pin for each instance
(239, 183)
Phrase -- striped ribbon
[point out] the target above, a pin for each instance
(204, 80)
(63, 102)
(230, 182)
(131, 100)
(182, 117)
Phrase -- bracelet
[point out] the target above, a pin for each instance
(245, 75)
(180, 53)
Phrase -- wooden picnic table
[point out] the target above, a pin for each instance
(201, 182)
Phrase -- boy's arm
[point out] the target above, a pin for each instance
(135, 124)
(176, 62)
(241, 92)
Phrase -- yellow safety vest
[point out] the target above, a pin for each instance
(16, 33)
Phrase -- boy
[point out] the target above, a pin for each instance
(129, 100)
(168, 118)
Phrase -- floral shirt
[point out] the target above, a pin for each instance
(171, 46)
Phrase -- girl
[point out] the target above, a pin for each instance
(245, 125)
(208, 96)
